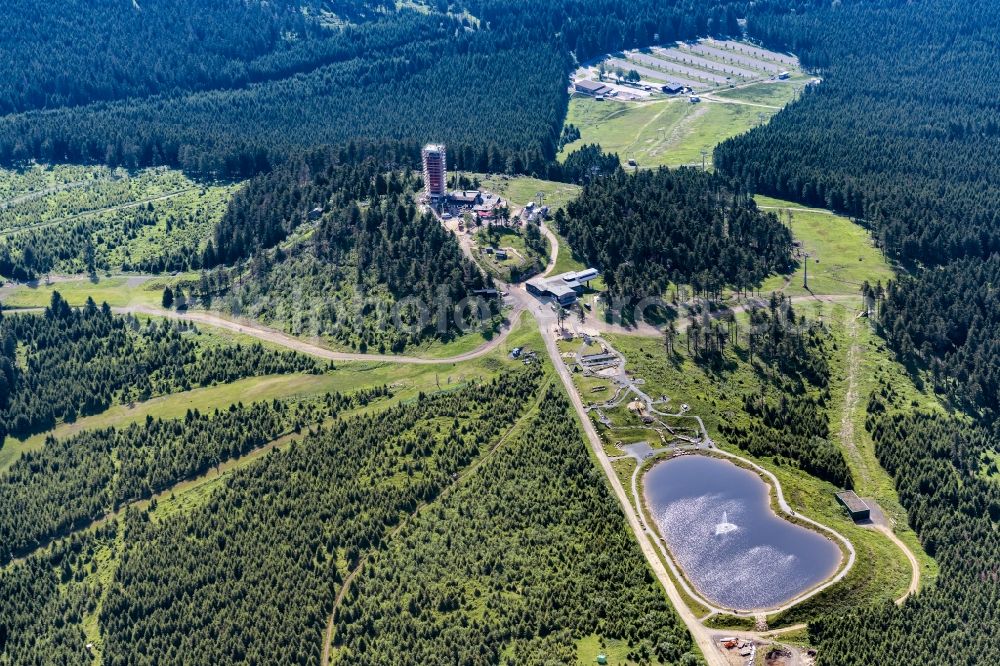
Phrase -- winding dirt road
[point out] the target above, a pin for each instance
(914, 564)
(553, 249)
(521, 301)
(275, 336)
(851, 399)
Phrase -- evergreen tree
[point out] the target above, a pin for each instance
(168, 298)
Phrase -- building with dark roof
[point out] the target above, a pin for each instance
(594, 88)
(856, 507)
(465, 198)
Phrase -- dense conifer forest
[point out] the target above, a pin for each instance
(42, 604)
(948, 321)
(902, 134)
(272, 547)
(248, 83)
(66, 363)
(367, 253)
(271, 206)
(787, 416)
(419, 77)
(275, 542)
(583, 164)
(72, 482)
(653, 228)
(496, 572)
(149, 48)
(380, 280)
(936, 460)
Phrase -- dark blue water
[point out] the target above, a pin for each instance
(719, 528)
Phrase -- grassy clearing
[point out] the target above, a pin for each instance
(730, 622)
(671, 132)
(594, 389)
(463, 344)
(880, 573)
(991, 460)
(118, 291)
(565, 261)
(125, 291)
(502, 237)
(253, 389)
(522, 335)
(616, 126)
(846, 256)
(521, 260)
(706, 125)
(623, 470)
(520, 190)
(407, 381)
(616, 651)
(772, 93)
(858, 345)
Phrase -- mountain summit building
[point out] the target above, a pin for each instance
(435, 172)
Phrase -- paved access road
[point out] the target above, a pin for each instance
(520, 301)
(702, 637)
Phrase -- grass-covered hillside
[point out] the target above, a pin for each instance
(673, 132)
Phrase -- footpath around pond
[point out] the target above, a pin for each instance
(517, 302)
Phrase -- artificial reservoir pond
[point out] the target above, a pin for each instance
(720, 529)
